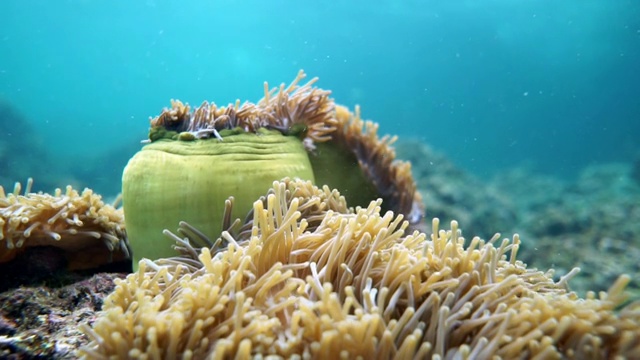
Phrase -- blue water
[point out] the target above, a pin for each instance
(492, 84)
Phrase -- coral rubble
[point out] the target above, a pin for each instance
(592, 222)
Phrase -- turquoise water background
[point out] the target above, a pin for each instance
(492, 84)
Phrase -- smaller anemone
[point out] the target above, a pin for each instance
(89, 231)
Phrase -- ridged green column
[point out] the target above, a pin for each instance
(169, 181)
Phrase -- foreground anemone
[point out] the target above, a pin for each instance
(195, 159)
(89, 231)
(314, 279)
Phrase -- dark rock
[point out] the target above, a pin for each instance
(42, 322)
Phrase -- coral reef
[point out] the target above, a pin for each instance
(353, 285)
(89, 232)
(592, 222)
(450, 193)
(305, 275)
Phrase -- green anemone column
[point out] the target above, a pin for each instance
(169, 181)
(338, 167)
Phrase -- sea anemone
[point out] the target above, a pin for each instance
(89, 231)
(197, 158)
(354, 285)
(364, 167)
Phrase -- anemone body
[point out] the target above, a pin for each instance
(338, 167)
(170, 181)
(199, 157)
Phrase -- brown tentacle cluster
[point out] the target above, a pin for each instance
(377, 158)
(281, 108)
